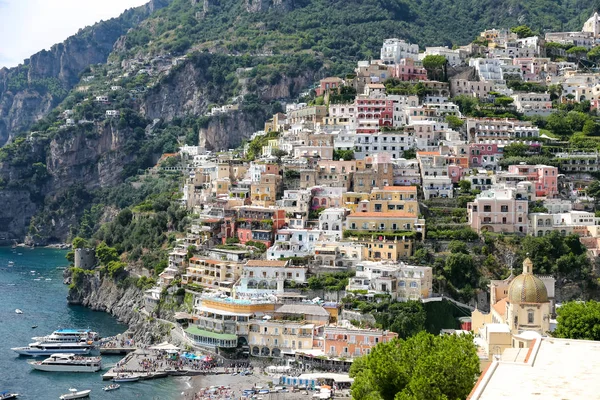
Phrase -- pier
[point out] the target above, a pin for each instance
(145, 364)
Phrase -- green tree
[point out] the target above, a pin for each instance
(405, 318)
(464, 185)
(516, 149)
(594, 54)
(424, 366)
(106, 254)
(409, 154)
(436, 67)
(80, 243)
(458, 247)
(345, 155)
(522, 31)
(593, 190)
(115, 268)
(578, 52)
(454, 122)
(577, 320)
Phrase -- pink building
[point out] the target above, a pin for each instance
(483, 155)
(498, 210)
(544, 177)
(371, 114)
(327, 84)
(406, 70)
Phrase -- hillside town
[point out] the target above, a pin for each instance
(353, 197)
(339, 192)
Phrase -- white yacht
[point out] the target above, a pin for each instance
(69, 336)
(75, 394)
(47, 349)
(68, 363)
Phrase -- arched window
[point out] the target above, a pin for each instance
(530, 317)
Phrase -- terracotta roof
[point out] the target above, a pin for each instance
(428, 153)
(390, 214)
(400, 188)
(500, 306)
(332, 79)
(266, 263)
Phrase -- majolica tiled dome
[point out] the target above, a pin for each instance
(527, 288)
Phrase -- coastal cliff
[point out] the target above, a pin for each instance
(31, 90)
(123, 301)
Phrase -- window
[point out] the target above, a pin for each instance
(487, 208)
(530, 317)
(504, 208)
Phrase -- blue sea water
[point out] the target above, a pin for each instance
(44, 304)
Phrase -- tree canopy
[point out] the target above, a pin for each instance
(578, 320)
(522, 31)
(424, 366)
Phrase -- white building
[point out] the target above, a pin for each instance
(454, 57)
(488, 69)
(394, 50)
(403, 282)
(533, 103)
(263, 277)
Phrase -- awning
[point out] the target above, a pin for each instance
(194, 330)
(164, 346)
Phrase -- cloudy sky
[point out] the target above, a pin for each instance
(28, 26)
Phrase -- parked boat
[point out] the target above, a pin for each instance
(69, 336)
(114, 386)
(47, 349)
(68, 363)
(75, 394)
(8, 395)
(18, 311)
(126, 378)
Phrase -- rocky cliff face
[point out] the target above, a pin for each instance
(17, 208)
(123, 302)
(94, 160)
(29, 91)
(227, 131)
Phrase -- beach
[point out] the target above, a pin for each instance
(198, 385)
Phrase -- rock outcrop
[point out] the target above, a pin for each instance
(122, 301)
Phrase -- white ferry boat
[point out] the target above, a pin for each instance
(68, 363)
(47, 349)
(69, 336)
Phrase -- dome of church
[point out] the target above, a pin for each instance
(527, 288)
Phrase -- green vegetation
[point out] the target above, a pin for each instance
(522, 31)
(334, 282)
(436, 67)
(578, 320)
(424, 366)
(255, 146)
(345, 155)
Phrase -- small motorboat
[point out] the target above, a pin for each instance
(34, 326)
(75, 394)
(18, 311)
(11, 263)
(114, 386)
(127, 378)
(8, 395)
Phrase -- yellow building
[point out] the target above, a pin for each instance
(264, 193)
(381, 249)
(520, 306)
(212, 274)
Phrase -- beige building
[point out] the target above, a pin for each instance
(212, 274)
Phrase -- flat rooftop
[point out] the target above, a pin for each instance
(555, 369)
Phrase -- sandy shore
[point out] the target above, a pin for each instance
(237, 385)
